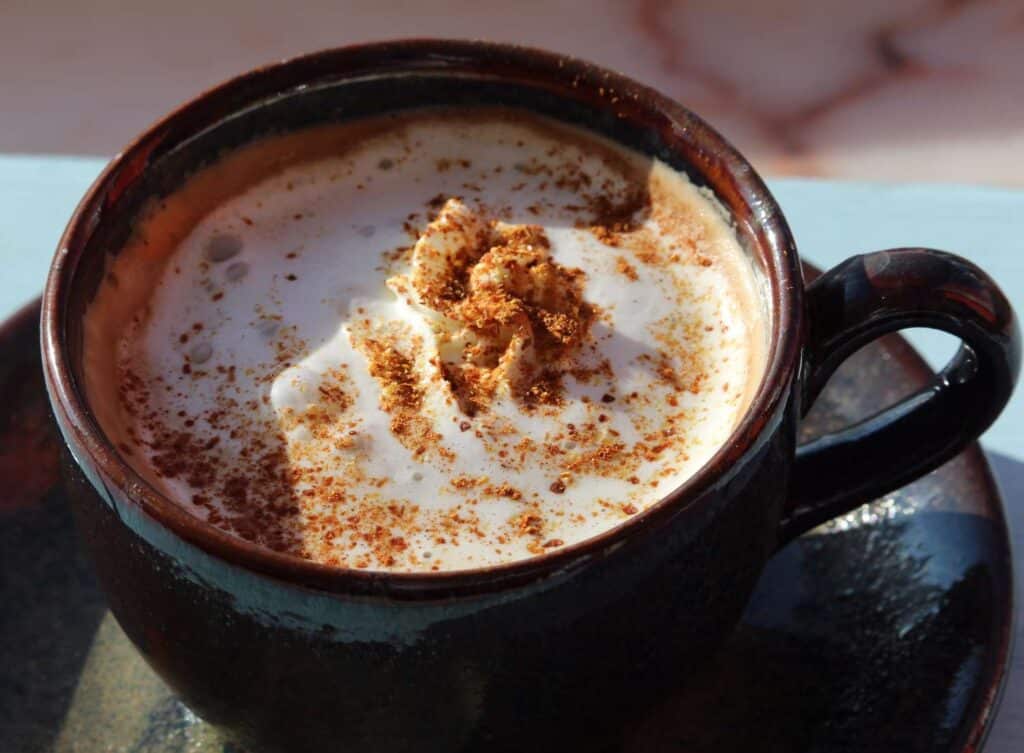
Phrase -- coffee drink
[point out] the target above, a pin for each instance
(432, 340)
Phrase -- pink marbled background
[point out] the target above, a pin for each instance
(880, 90)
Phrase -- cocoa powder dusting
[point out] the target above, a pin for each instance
(518, 307)
(401, 396)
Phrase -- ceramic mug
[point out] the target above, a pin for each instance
(556, 652)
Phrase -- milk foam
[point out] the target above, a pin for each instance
(250, 395)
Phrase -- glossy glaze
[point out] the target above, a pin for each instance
(871, 295)
(501, 656)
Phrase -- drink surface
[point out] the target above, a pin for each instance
(432, 341)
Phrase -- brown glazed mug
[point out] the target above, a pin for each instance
(556, 652)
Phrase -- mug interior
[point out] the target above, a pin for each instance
(353, 83)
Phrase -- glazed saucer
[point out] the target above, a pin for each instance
(886, 630)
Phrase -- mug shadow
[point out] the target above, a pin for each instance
(50, 602)
(52, 606)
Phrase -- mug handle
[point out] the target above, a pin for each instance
(862, 299)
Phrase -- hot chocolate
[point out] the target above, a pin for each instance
(435, 340)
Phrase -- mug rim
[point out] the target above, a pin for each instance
(782, 273)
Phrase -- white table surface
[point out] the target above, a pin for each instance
(831, 220)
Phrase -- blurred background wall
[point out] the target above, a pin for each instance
(875, 89)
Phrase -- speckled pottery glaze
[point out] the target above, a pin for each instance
(559, 651)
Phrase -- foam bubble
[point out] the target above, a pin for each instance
(222, 247)
(200, 352)
(237, 271)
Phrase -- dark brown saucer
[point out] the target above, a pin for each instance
(888, 629)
